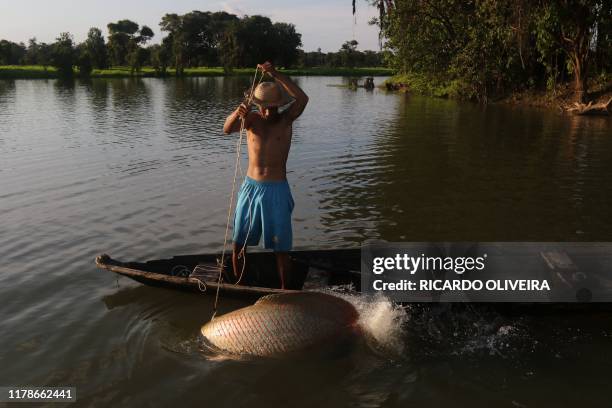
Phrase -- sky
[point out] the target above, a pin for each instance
(323, 23)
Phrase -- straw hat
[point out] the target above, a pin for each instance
(269, 95)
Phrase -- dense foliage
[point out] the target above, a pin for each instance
(63, 55)
(484, 48)
(191, 40)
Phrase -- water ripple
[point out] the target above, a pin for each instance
(140, 168)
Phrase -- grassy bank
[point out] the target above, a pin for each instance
(37, 71)
(428, 86)
(26, 71)
(600, 90)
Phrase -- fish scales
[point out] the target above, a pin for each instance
(279, 324)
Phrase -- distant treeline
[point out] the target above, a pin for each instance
(486, 48)
(348, 57)
(193, 39)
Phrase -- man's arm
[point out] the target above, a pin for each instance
(232, 123)
(301, 99)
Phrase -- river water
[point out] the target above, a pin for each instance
(140, 169)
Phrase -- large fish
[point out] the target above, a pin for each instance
(280, 324)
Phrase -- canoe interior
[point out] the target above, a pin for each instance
(310, 270)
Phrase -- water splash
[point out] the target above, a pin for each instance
(384, 322)
(435, 329)
(381, 321)
(495, 342)
(466, 330)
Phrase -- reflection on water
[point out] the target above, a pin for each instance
(140, 168)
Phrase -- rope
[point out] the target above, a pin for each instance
(242, 252)
(232, 195)
(207, 270)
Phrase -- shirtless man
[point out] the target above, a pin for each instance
(264, 203)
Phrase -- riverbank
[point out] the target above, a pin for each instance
(560, 98)
(38, 71)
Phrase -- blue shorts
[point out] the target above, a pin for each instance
(264, 208)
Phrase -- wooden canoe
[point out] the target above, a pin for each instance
(311, 269)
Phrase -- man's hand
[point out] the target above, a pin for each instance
(242, 110)
(232, 123)
(301, 99)
(267, 68)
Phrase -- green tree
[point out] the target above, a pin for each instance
(198, 35)
(474, 48)
(257, 40)
(32, 54)
(603, 43)
(145, 35)
(220, 23)
(5, 52)
(44, 55)
(198, 29)
(137, 55)
(160, 57)
(63, 55)
(11, 53)
(334, 59)
(372, 59)
(84, 61)
(487, 61)
(230, 51)
(206, 38)
(254, 39)
(288, 43)
(348, 53)
(173, 25)
(96, 48)
(488, 47)
(120, 35)
(569, 25)
(137, 58)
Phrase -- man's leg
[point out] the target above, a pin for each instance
(238, 260)
(247, 226)
(283, 264)
(277, 232)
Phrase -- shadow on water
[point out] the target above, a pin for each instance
(461, 172)
(131, 100)
(7, 95)
(66, 97)
(99, 99)
(6, 86)
(199, 105)
(202, 104)
(65, 85)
